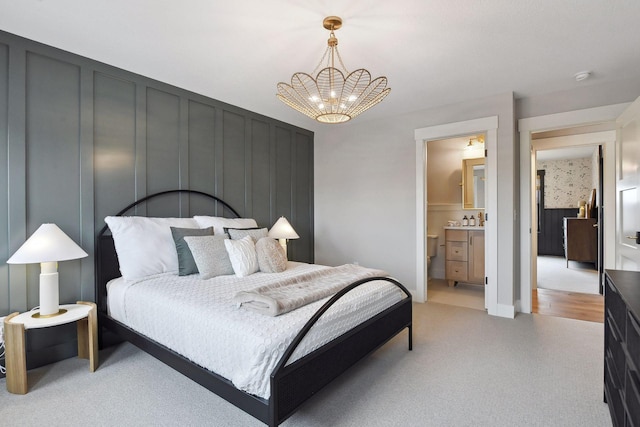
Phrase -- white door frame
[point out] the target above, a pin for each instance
(627, 256)
(527, 126)
(606, 139)
(488, 126)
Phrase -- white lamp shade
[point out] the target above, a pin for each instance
(47, 244)
(283, 230)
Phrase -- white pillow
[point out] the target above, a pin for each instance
(242, 254)
(219, 223)
(144, 245)
(210, 255)
(271, 256)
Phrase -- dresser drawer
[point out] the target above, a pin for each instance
(456, 270)
(613, 393)
(616, 308)
(612, 374)
(613, 348)
(456, 251)
(632, 397)
(614, 399)
(633, 340)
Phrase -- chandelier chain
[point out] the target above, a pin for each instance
(340, 60)
(326, 52)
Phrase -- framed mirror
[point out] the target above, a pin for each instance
(473, 183)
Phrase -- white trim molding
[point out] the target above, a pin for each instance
(528, 126)
(488, 126)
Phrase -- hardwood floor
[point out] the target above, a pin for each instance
(572, 305)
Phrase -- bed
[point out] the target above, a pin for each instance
(298, 370)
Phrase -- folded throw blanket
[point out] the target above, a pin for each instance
(285, 296)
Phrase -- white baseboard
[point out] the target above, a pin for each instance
(508, 311)
(414, 295)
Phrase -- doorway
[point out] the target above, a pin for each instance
(568, 194)
(568, 190)
(455, 182)
(600, 116)
(488, 126)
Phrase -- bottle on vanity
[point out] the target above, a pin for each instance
(465, 221)
(472, 221)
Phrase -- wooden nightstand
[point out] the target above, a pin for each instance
(84, 313)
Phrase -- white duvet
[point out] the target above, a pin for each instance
(198, 319)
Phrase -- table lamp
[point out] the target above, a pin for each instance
(47, 246)
(283, 231)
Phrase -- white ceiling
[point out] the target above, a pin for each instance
(434, 52)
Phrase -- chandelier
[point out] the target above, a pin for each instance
(334, 95)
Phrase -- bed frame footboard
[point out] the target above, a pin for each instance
(293, 384)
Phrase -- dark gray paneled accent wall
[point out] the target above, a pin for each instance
(4, 183)
(81, 139)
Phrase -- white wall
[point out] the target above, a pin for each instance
(365, 189)
(365, 180)
(444, 170)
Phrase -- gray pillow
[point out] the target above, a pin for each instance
(186, 264)
(271, 256)
(255, 233)
(210, 255)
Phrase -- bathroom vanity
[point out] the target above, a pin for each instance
(464, 255)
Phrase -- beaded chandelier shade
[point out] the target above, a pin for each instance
(334, 95)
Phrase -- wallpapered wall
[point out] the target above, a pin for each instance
(566, 182)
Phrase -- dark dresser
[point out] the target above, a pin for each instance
(580, 240)
(622, 346)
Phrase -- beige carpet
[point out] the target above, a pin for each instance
(466, 369)
(553, 273)
(462, 295)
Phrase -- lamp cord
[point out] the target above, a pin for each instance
(3, 370)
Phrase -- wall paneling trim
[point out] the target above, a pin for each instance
(80, 139)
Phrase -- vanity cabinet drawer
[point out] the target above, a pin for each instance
(456, 270)
(464, 256)
(456, 251)
(456, 235)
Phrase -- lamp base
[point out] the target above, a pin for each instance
(44, 316)
(49, 300)
(283, 243)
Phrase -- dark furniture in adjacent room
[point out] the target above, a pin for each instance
(622, 346)
(581, 240)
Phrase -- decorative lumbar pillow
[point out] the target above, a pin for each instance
(210, 255)
(144, 245)
(242, 254)
(271, 256)
(186, 263)
(256, 233)
(219, 223)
